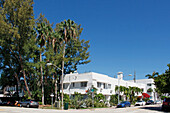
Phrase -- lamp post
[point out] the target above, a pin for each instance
(120, 77)
(62, 70)
(52, 95)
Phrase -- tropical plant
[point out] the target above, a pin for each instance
(114, 99)
(150, 90)
(66, 98)
(76, 101)
(99, 97)
(162, 81)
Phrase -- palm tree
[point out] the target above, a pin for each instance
(116, 88)
(153, 75)
(127, 92)
(68, 31)
(43, 27)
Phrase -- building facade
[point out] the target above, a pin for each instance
(106, 85)
(150, 88)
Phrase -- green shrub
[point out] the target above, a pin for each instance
(162, 97)
(88, 102)
(40, 103)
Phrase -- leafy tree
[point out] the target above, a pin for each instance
(162, 81)
(16, 32)
(26, 45)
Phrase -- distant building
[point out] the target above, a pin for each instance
(80, 83)
(10, 91)
(150, 87)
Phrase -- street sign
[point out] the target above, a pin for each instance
(92, 90)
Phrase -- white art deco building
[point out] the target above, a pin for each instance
(80, 83)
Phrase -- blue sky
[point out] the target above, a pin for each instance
(125, 35)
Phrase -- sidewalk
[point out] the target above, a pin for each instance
(88, 109)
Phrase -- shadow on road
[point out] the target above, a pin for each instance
(154, 108)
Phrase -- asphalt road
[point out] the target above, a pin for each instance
(136, 109)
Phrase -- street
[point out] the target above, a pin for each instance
(136, 109)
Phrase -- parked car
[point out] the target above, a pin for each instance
(6, 103)
(166, 104)
(157, 102)
(0, 102)
(140, 103)
(29, 103)
(149, 102)
(124, 104)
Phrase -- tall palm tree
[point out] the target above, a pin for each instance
(69, 30)
(43, 28)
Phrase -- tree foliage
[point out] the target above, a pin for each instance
(162, 81)
(129, 92)
(28, 44)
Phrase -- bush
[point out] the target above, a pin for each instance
(145, 99)
(114, 99)
(40, 103)
(162, 97)
(66, 98)
(88, 102)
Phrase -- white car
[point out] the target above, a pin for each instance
(157, 102)
(140, 103)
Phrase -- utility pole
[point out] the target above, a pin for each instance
(134, 76)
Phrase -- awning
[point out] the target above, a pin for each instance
(145, 95)
(139, 96)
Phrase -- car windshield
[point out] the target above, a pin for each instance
(123, 102)
(139, 101)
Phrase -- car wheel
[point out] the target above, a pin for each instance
(28, 105)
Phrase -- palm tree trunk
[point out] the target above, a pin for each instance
(42, 82)
(62, 74)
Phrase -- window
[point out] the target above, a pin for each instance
(99, 84)
(104, 86)
(109, 86)
(73, 84)
(83, 84)
(149, 84)
(65, 85)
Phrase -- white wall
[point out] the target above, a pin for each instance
(92, 79)
(149, 81)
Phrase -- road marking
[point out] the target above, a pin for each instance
(134, 108)
(2, 110)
